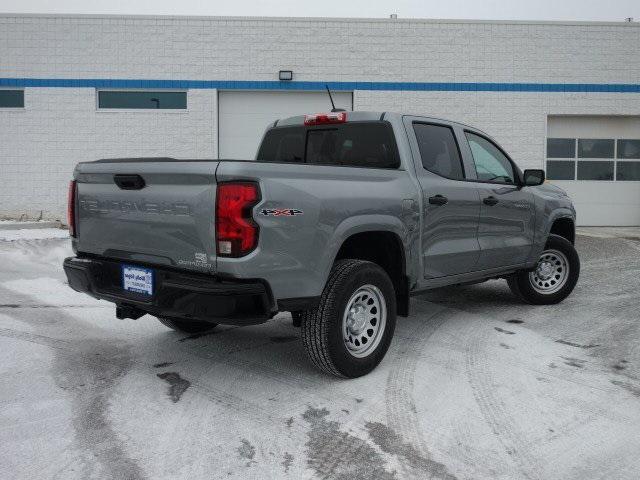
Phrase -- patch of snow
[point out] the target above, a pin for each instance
(50, 291)
(32, 234)
(9, 220)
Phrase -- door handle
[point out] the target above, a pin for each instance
(129, 182)
(438, 200)
(490, 201)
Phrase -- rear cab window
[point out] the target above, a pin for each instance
(352, 144)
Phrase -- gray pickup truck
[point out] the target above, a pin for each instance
(340, 218)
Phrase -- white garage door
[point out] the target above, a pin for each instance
(596, 159)
(244, 116)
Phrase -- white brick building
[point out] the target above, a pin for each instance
(522, 82)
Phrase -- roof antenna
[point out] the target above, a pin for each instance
(333, 106)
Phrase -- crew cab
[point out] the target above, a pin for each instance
(339, 219)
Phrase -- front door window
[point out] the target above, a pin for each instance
(491, 164)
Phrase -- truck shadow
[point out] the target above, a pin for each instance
(493, 293)
(273, 348)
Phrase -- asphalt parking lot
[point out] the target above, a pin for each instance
(475, 386)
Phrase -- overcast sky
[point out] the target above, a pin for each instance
(604, 10)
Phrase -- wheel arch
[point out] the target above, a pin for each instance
(384, 247)
(564, 226)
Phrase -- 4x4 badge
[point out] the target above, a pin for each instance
(280, 212)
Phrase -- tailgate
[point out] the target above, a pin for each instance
(155, 212)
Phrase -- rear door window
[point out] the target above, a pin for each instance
(439, 150)
(357, 144)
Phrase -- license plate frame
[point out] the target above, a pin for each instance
(137, 279)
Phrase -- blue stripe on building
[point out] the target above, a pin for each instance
(314, 86)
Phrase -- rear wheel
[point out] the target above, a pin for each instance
(348, 334)
(187, 326)
(554, 276)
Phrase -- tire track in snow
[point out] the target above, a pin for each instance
(493, 412)
(89, 380)
(402, 415)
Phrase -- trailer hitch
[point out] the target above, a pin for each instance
(127, 311)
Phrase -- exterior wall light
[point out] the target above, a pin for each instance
(285, 75)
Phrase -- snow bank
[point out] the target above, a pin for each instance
(32, 234)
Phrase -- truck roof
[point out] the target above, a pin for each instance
(363, 116)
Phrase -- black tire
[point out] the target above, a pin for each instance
(187, 326)
(522, 284)
(322, 328)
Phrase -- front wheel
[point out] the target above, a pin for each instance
(554, 277)
(348, 334)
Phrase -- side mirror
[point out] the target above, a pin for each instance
(533, 177)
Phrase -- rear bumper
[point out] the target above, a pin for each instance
(189, 296)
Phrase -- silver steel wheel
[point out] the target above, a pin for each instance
(364, 321)
(551, 273)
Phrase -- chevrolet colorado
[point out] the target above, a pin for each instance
(339, 219)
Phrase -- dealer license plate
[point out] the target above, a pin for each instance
(137, 279)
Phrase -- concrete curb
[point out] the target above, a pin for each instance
(629, 233)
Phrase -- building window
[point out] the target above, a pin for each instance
(596, 170)
(628, 148)
(561, 170)
(628, 171)
(590, 148)
(142, 99)
(595, 148)
(561, 147)
(593, 159)
(11, 98)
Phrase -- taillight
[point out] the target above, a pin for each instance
(71, 208)
(236, 232)
(325, 118)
